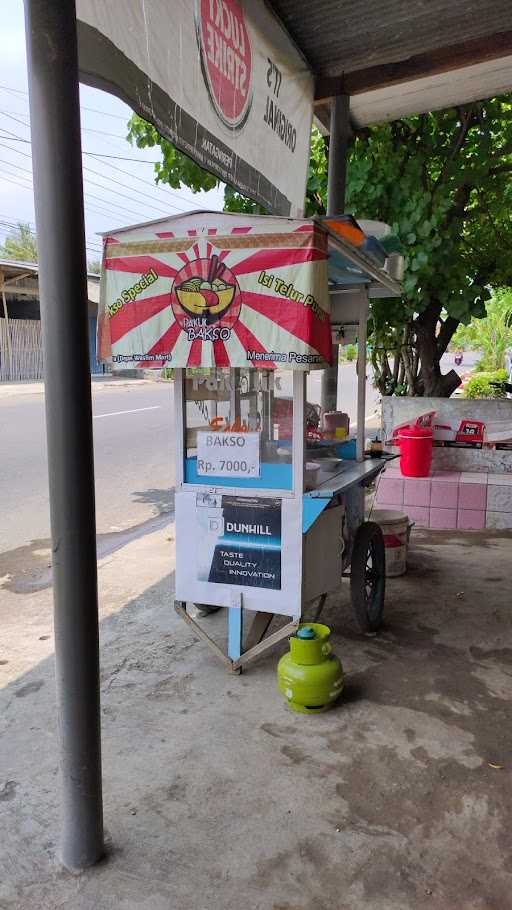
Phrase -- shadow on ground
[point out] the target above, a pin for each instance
(217, 796)
(28, 568)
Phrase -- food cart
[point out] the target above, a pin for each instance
(269, 508)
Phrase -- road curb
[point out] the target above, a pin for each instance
(17, 389)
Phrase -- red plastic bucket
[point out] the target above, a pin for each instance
(415, 451)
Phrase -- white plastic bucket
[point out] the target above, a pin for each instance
(395, 528)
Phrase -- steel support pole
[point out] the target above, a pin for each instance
(50, 28)
(336, 185)
(338, 145)
(361, 379)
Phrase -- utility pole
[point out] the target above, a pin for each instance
(50, 28)
(336, 185)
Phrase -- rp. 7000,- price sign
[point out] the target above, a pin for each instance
(228, 454)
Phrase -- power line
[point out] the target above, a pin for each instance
(154, 185)
(7, 228)
(92, 110)
(93, 154)
(8, 234)
(114, 157)
(87, 194)
(90, 207)
(4, 219)
(114, 168)
(85, 129)
(95, 182)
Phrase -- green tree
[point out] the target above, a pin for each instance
(441, 180)
(20, 244)
(491, 335)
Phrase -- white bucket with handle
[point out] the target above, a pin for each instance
(395, 528)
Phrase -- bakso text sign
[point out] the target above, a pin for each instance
(228, 454)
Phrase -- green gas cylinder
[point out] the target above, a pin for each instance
(310, 676)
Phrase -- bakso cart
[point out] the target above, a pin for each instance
(269, 495)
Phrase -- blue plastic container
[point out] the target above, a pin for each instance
(347, 450)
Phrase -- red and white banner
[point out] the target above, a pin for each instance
(231, 291)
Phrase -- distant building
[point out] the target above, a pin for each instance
(21, 352)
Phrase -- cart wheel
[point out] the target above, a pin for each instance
(205, 609)
(368, 576)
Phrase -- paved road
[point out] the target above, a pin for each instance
(134, 456)
(134, 453)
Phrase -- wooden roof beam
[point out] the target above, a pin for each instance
(432, 63)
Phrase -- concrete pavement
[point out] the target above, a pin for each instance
(218, 797)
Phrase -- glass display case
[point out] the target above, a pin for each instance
(237, 406)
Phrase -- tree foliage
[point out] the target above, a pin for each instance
(486, 385)
(491, 335)
(442, 181)
(20, 244)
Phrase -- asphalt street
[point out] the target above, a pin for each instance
(134, 454)
(134, 460)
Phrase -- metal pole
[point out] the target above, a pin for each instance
(7, 330)
(338, 144)
(361, 378)
(336, 185)
(50, 29)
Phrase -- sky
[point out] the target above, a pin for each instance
(117, 192)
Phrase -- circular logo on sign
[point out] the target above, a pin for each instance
(206, 292)
(226, 58)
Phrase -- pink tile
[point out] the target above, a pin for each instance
(393, 469)
(444, 494)
(472, 496)
(473, 477)
(471, 519)
(443, 518)
(391, 490)
(416, 492)
(420, 516)
(447, 475)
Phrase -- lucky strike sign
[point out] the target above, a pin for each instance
(216, 297)
(226, 58)
(220, 79)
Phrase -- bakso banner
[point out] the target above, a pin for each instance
(247, 295)
(221, 79)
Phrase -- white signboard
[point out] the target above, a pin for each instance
(228, 454)
(220, 78)
(250, 545)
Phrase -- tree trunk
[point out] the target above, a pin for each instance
(430, 349)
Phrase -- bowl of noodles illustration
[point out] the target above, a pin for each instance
(209, 295)
(203, 298)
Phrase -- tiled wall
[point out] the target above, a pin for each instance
(449, 499)
(399, 409)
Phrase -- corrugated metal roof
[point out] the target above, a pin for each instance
(14, 270)
(341, 36)
(13, 267)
